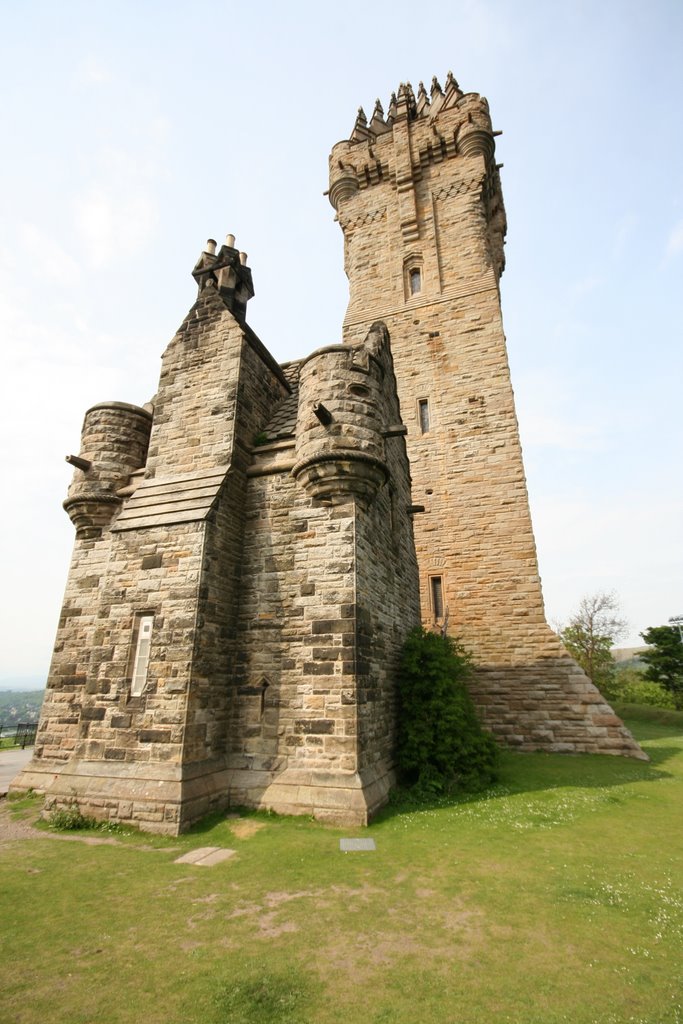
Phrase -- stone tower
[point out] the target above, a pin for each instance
(418, 197)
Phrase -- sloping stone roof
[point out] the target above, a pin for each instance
(182, 498)
(283, 423)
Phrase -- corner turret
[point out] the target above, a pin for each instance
(340, 439)
(114, 442)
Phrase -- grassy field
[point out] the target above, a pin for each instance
(555, 896)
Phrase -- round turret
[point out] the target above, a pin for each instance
(343, 177)
(114, 442)
(475, 136)
(339, 438)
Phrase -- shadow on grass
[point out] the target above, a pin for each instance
(211, 821)
(260, 994)
(522, 773)
(639, 719)
(525, 773)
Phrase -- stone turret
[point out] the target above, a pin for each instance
(114, 442)
(416, 133)
(340, 445)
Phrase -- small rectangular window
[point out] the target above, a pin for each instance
(436, 595)
(423, 413)
(415, 282)
(142, 649)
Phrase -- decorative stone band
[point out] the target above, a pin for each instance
(348, 223)
(339, 475)
(458, 187)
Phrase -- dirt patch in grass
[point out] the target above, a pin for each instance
(271, 928)
(245, 828)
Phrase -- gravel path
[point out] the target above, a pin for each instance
(12, 829)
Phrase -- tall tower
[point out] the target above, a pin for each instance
(418, 198)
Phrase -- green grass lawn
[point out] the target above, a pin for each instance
(555, 896)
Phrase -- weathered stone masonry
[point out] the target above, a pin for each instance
(418, 198)
(245, 568)
(245, 526)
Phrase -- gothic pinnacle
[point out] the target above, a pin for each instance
(360, 128)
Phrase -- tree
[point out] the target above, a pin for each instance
(591, 633)
(665, 659)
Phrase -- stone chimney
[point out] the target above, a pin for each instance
(227, 271)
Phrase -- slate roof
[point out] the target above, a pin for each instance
(282, 424)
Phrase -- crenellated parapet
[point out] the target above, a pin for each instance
(416, 132)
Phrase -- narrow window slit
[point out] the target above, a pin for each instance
(142, 651)
(436, 587)
(423, 410)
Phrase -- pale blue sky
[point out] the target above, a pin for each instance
(134, 131)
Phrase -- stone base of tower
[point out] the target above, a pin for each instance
(336, 797)
(166, 799)
(169, 799)
(550, 705)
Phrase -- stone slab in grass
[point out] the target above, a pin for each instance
(355, 845)
(205, 856)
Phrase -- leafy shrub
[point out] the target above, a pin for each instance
(441, 743)
(645, 692)
(70, 818)
(629, 686)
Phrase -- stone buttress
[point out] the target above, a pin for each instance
(418, 197)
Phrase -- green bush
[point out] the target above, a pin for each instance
(441, 743)
(70, 818)
(645, 692)
(629, 686)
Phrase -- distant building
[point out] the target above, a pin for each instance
(628, 654)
